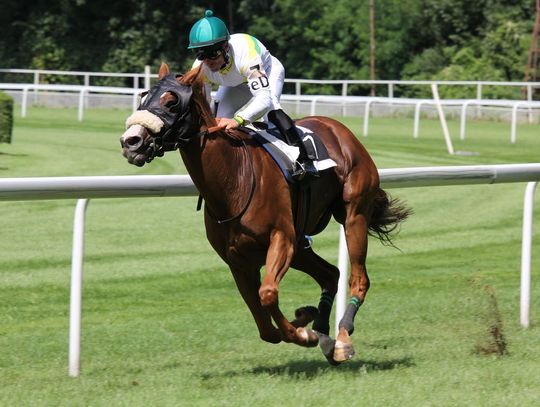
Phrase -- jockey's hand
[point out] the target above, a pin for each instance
(227, 124)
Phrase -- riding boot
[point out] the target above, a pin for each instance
(304, 164)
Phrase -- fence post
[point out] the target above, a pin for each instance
(416, 129)
(36, 82)
(366, 116)
(24, 101)
(81, 104)
(526, 254)
(135, 101)
(447, 138)
(479, 97)
(344, 96)
(463, 119)
(513, 132)
(75, 308)
(529, 99)
(147, 76)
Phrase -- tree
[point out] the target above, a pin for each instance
(320, 39)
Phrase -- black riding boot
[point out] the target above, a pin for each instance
(304, 163)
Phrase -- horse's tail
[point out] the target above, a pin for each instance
(387, 215)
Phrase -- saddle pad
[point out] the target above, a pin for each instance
(285, 155)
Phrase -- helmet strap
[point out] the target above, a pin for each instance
(226, 56)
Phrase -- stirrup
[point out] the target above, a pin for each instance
(299, 171)
(303, 168)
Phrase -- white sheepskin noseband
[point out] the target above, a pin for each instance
(145, 119)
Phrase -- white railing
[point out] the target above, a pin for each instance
(84, 188)
(392, 84)
(82, 91)
(314, 101)
(463, 104)
(38, 75)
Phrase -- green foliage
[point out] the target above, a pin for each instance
(318, 39)
(6, 118)
(46, 42)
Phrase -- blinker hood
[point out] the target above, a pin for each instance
(175, 118)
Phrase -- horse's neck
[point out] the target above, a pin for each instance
(215, 163)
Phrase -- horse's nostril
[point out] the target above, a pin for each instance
(133, 138)
(133, 143)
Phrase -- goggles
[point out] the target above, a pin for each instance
(209, 53)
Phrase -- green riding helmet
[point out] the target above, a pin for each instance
(208, 31)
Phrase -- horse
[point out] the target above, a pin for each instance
(250, 209)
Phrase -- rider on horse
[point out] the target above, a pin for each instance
(250, 82)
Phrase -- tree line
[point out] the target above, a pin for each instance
(315, 39)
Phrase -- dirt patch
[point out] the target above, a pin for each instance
(491, 340)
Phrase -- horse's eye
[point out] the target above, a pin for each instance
(169, 99)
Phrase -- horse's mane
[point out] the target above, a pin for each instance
(194, 79)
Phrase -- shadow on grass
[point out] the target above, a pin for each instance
(314, 368)
(311, 369)
(10, 155)
(13, 155)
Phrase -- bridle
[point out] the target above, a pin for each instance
(176, 118)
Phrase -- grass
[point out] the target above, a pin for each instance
(163, 323)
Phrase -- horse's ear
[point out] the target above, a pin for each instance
(163, 70)
(190, 78)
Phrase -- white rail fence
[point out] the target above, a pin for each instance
(315, 102)
(147, 76)
(81, 91)
(85, 188)
(39, 74)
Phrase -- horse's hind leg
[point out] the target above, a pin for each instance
(248, 283)
(358, 212)
(278, 260)
(356, 236)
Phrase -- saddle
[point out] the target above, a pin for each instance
(285, 155)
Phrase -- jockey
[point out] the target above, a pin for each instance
(250, 82)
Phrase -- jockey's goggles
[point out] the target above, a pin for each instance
(211, 53)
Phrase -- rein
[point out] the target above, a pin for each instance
(214, 129)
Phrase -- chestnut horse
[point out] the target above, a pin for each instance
(250, 207)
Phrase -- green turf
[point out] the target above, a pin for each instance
(163, 324)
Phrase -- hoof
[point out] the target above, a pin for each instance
(327, 345)
(308, 337)
(304, 315)
(343, 349)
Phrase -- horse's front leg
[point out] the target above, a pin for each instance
(278, 260)
(248, 283)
